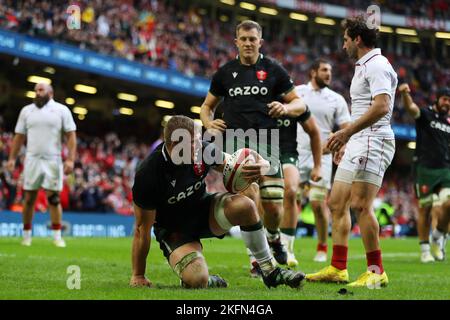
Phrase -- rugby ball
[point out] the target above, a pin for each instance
(232, 179)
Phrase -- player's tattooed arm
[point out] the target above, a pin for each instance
(207, 111)
(408, 102)
(141, 246)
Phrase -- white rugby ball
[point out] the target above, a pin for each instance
(232, 179)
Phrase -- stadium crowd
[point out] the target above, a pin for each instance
(174, 35)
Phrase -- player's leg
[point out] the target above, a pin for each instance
(32, 180)
(339, 204)
(317, 196)
(230, 210)
(55, 209)
(272, 194)
(53, 183)
(289, 222)
(189, 264)
(27, 215)
(440, 233)
(423, 230)
(374, 157)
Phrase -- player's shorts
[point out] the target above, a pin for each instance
(43, 173)
(306, 164)
(195, 229)
(289, 158)
(366, 159)
(430, 180)
(270, 152)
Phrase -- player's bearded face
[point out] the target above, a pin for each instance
(350, 46)
(323, 76)
(443, 104)
(41, 99)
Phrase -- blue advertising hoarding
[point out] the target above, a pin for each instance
(72, 57)
(108, 225)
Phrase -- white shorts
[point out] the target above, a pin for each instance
(42, 173)
(366, 159)
(306, 164)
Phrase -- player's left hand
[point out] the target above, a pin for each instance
(276, 109)
(316, 174)
(338, 139)
(68, 166)
(140, 281)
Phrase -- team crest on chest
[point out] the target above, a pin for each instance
(199, 168)
(261, 75)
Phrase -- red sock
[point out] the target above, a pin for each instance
(374, 263)
(56, 226)
(339, 258)
(322, 247)
(27, 226)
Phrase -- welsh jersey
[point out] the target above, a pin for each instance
(246, 91)
(433, 139)
(172, 190)
(288, 133)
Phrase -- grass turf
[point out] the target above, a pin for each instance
(40, 272)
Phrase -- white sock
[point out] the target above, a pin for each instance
(425, 247)
(436, 234)
(272, 236)
(256, 241)
(57, 234)
(288, 241)
(27, 234)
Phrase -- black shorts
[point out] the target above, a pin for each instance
(197, 228)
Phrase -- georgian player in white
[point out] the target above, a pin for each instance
(363, 150)
(329, 108)
(43, 124)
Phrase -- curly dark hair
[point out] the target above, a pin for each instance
(358, 27)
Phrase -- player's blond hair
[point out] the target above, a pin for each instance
(249, 25)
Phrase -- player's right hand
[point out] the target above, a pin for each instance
(10, 165)
(217, 124)
(140, 281)
(337, 156)
(404, 88)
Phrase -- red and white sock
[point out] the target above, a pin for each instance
(56, 230)
(374, 262)
(322, 247)
(339, 258)
(27, 231)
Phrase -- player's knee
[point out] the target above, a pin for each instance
(54, 199)
(337, 207)
(195, 275)
(317, 207)
(359, 206)
(245, 208)
(290, 193)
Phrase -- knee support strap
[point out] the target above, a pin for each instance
(54, 199)
(317, 193)
(272, 191)
(219, 212)
(185, 261)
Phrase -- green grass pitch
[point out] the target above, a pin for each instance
(40, 272)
